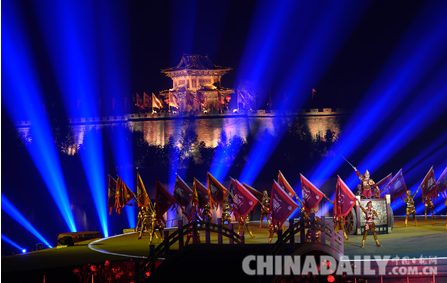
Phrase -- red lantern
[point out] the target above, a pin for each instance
(166, 101)
(228, 98)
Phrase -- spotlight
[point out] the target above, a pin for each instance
(24, 251)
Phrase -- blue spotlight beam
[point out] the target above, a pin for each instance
(10, 209)
(74, 61)
(225, 154)
(415, 174)
(20, 78)
(115, 83)
(420, 114)
(401, 74)
(413, 170)
(11, 242)
(313, 57)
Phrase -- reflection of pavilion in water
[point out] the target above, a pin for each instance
(158, 132)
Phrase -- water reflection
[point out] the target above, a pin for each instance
(158, 132)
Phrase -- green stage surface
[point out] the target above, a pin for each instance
(427, 240)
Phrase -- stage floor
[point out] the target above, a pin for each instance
(427, 240)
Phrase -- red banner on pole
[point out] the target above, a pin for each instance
(216, 190)
(442, 182)
(429, 186)
(182, 192)
(281, 204)
(111, 194)
(384, 182)
(311, 194)
(200, 194)
(142, 196)
(243, 200)
(397, 187)
(163, 200)
(344, 199)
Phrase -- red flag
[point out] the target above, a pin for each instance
(123, 195)
(139, 102)
(111, 194)
(182, 192)
(281, 204)
(384, 182)
(118, 196)
(173, 100)
(258, 195)
(313, 92)
(429, 186)
(163, 200)
(190, 99)
(287, 187)
(344, 199)
(220, 97)
(201, 99)
(146, 100)
(254, 192)
(156, 102)
(442, 181)
(397, 186)
(243, 200)
(142, 196)
(216, 190)
(200, 194)
(128, 195)
(311, 194)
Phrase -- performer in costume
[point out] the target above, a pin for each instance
(265, 208)
(410, 207)
(309, 232)
(156, 223)
(245, 221)
(367, 184)
(273, 228)
(140, 218)
(227, 208)
(339, 222)
(429, 205)
(207, 211)
(190, 218)
(146, 222)
(370, 225)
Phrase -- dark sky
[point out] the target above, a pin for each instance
(157, 33)
(221, 28)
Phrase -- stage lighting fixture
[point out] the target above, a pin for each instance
(11, 242)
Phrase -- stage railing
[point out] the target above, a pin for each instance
(304, 225)
(191, 228)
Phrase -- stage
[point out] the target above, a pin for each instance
(429, 240)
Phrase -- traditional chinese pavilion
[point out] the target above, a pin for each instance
(196, 85)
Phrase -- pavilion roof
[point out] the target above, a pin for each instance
(195, 62)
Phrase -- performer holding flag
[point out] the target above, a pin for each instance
(243, 202)
(282, 182)
(429, 191)
(409, 200)
(343, 203)
(281, 206)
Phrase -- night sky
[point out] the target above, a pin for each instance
(155, 34)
